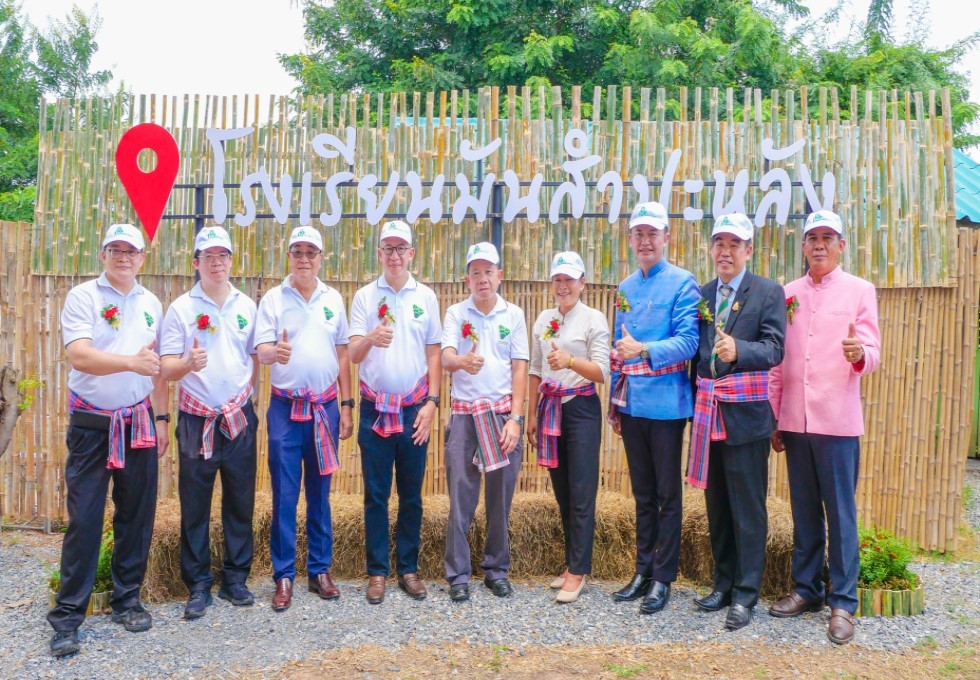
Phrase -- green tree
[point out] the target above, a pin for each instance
(64, 56)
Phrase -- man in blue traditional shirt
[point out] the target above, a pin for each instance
(655, 333)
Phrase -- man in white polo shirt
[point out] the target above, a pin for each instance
(301, 331)
(395, 333)
(110, 327)
(207, 345)
(484, 347)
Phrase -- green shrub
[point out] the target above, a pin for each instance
(103, 571)
(884, 560)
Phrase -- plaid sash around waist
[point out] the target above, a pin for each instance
(389, 406)
(142, 434)
(232, 424)
(305, 405)
(549, 417)
(616, 365)
(708, 425)
(489, 456)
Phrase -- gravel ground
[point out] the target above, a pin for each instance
(232, 639)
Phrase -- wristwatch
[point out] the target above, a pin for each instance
(645, 351)
(519, 419)
(347, 402)
(165, 417)
(434, 400)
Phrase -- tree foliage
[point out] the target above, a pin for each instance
(396, 45)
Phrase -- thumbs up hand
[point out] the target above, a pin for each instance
(381, 335)
(628, 347)
(197, 357)
(283, 349)
(558, 358)
(853, 351)
(725, 348)
(471, 362)
(147, 361)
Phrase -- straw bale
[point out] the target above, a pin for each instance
(537, 549)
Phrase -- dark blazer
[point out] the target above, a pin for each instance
(759, 328)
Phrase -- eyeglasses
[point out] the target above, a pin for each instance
(388, 250)
(117, 254)
(304, 254)
(215, 257)
(641, 236)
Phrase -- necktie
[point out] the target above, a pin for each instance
(721, 317)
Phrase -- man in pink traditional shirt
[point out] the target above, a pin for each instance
(832, 339)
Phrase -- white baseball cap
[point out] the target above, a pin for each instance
(212, 237)
(126, 233)
(824, 218)
(736, 224)
(306, 234)
(569, 263)
(396, 229)
(482, 251)
(650, 214)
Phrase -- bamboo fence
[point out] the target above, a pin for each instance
(890, 153)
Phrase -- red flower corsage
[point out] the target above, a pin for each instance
(111, 315)
(384, 311)
(552, 330)
(204, 324)
(704, 314)
(791, 304)
(469, 333)
(622, 304)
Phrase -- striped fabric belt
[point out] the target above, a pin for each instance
(305, 405)
(708, 425)
(489, 456)
(389, 406)
(142, 435)
(232, 423)
(617, 397)
(549, 417)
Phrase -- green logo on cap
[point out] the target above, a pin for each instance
(476, 248)
(120, 230)
(561, 260)
(211, 234)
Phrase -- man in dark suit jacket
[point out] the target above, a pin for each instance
(741, 331)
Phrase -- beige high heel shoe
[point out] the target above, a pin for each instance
(566, 596)
(557, 583)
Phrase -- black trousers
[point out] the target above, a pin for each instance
(134, 495)
(235, 461)
(738, 480)
(576, 479)
(653, 451)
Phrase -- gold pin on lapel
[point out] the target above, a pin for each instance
(735, 307)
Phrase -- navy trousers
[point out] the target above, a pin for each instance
(235, 461)
(823, 473)
(134, 495)
(378, 456)
(292, 459)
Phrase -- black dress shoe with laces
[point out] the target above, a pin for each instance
(499, 586)
(739, 616)
(135, 619)
(64, 642)
(459, 592)
(656, 599)
(714, 601)
(634, 590)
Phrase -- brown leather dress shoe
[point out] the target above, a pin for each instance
(841, 628)
(324, 587)
(284, 595)
(413, 586)
(376, 589)
(792, 605)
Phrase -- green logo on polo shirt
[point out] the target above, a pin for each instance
(504, 331)
(242, 322)
(149, 319)
(417, 311)
(327, 313)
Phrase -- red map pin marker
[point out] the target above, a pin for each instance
(148, 191)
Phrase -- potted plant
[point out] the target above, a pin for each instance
(886, 587)
(102, 590)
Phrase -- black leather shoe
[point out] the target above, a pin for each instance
(499, 586)
(197, 604)
(739, 616)
(459, 592)
(714, 601)
(64, 642)
(634, 590)
(135, 619)
(656, 599)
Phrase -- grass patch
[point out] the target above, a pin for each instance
(625, 671)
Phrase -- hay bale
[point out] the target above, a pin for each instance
(536, 539)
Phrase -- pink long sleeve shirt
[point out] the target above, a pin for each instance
(815, 389)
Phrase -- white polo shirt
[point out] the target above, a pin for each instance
(315, 329)
(229, 347)
(397, 368)
(140, 315)
(501, 338)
